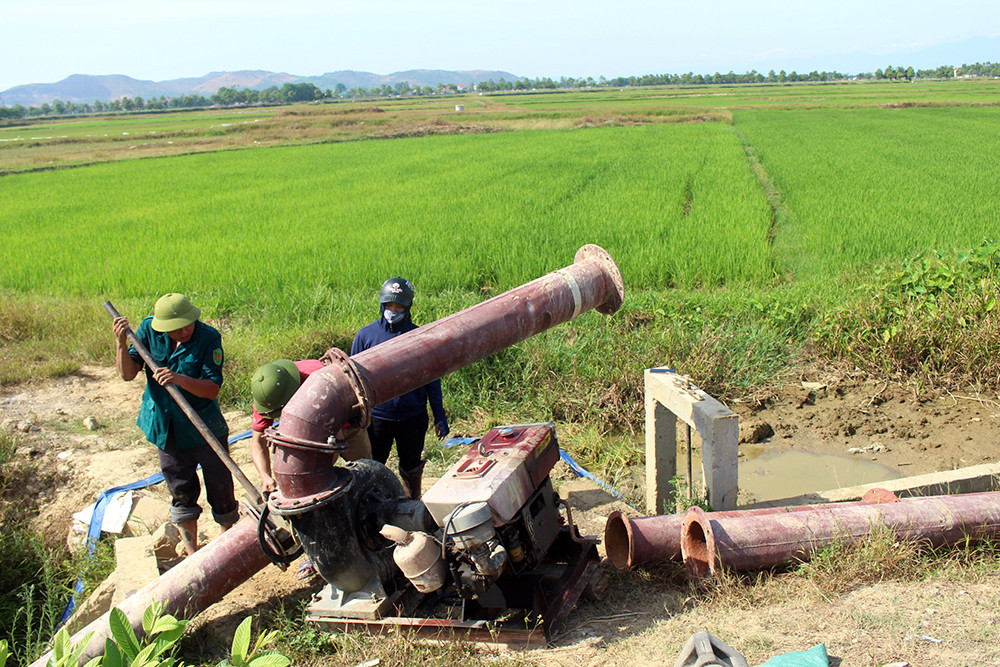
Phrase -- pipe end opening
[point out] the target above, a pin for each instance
(616, 295)
(697, 544)
(618, 541)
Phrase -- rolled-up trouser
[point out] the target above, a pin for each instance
(180, 467)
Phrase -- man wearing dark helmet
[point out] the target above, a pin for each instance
(403, 419)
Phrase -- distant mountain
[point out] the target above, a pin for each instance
(414, 77)
(87, 88)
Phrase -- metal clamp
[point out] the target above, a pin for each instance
(358, 384)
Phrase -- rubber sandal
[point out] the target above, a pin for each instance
(306, 570)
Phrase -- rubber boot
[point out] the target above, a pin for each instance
(411, 480)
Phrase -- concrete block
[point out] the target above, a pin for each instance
(96, 605)
(147, 515)
(669, 398)
(136, 566)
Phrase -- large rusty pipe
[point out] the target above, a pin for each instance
(741, 541)
(187, 588)
(344, 391)
(631, 542)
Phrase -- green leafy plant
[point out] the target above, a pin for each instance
(683, 496)
(161, 633)
(243, 656)
(935, 319)
(64, 654)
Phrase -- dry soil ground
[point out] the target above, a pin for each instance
(644, 619)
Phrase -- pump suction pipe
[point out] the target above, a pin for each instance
(186, 589)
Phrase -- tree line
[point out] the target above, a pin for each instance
(306, 92)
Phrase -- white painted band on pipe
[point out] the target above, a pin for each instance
(575, 288)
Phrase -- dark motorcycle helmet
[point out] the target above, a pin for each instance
(397, 290)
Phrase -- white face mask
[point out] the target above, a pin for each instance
(392, 317)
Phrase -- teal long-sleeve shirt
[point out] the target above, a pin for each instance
(201, 358)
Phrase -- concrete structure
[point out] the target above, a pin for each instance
(669, 398)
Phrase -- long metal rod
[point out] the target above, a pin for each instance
(253, 493)
(690, 466)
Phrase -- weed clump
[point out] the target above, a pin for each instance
(33, 573)
(936, 319)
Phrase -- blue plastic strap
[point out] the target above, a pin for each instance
(583, 472)
(97, 519)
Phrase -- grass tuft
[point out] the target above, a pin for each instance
(310, 646)
(881, 556)
(936, 319)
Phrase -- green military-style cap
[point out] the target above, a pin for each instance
(272, 385)
(173, 312)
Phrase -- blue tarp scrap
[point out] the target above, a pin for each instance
(94, 532)
(814, 657)
(451, 442)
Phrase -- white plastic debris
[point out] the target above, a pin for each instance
(115, 513)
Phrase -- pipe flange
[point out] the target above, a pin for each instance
(358, 384)
(285, 507)
(601, 257)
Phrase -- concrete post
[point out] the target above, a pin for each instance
(670, 397)
(661, 453)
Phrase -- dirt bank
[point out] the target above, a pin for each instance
(643, 621)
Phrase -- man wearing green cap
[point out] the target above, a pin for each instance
(189, 355)
(272, 386)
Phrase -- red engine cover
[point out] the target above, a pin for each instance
(503, 469)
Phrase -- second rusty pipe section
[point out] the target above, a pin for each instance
(756, 542)
(187, 588)
(345, 391)
(633, 542)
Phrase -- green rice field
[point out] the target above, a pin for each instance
(742, 217)
(445, 210)
(869, 186)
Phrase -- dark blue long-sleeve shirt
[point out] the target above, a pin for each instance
(410, 404)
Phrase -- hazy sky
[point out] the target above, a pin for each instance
(44, 41)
